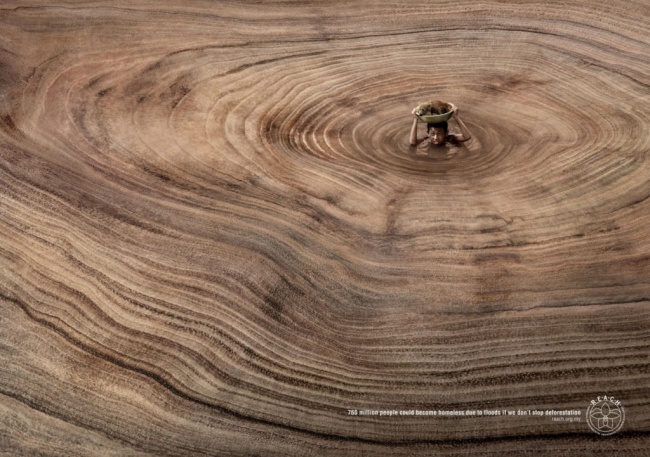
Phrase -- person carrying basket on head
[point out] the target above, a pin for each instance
(438, 132)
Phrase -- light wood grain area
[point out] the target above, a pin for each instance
(215, 239)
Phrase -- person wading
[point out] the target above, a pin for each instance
(438, 134)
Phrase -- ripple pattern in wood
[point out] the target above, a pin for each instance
(215, 239)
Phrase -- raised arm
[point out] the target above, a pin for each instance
(413, 140)
(466, 136)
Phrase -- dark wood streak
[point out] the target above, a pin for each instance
(171, 388)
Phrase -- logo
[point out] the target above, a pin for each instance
(605, 415)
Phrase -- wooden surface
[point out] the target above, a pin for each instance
(215, 239)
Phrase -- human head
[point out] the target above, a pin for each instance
(437, 132)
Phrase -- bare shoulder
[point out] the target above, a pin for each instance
(455, 138)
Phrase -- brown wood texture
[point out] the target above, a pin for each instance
(215, 239)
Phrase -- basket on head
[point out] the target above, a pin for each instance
(434, 119)
(434, 111)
